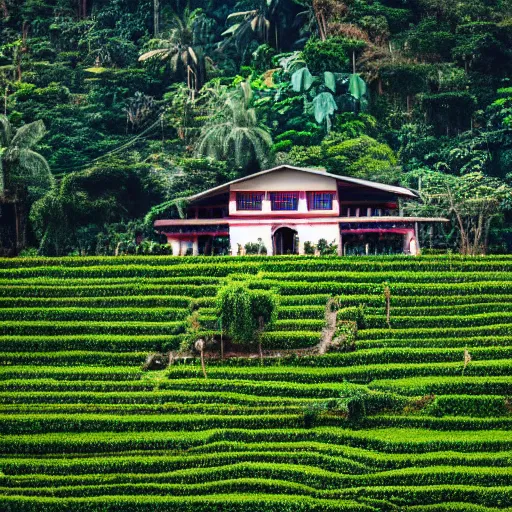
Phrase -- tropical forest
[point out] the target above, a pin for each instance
(256, 256)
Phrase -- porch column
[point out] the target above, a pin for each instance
(407, 241)
(175, 244)
(195, 246)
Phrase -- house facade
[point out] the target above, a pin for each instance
(288, 210)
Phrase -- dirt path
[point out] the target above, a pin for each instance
(328, 331)
(232, 351)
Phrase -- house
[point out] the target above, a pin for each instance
(289, 209)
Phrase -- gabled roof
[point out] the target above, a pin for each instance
(400, 191)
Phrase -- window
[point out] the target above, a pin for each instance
(284, 200)
(320, 200)
(249, 200)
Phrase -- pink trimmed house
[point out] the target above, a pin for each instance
(286, 207)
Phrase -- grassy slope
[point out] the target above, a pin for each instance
(84, 429)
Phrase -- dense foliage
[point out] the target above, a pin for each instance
(415, 414)
(158, 99)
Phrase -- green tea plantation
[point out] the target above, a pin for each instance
(408, 408)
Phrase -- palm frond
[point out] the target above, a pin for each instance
(162, 53)
(29, 135)
(5, 131)
(35, 169)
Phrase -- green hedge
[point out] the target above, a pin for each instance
(111, 271)
(155, 397)
(84, 470)
(63, 328)
(218, 502)
(73, 357)
(46, 423)
(449, 423)
(451, 309)
(401, 289)
(300, 312)
(469, 405)
(275, 340)
(51, 386)
(419, 321)
(248, 369)
(62, 373)
(462, 332)
(156, 301)
(392, 277)
(91, 342)
(447, 385)
(391, 440)
(299, 324)
(94, 314)
(463, 341)
(316, 479)
(108, 290)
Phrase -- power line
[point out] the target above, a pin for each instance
(116, 150)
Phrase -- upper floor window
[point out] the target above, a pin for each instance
(249, 200)
(320, 200)
(288, 201)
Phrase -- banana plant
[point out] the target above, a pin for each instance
(322, 90)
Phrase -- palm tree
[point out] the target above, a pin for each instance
(24, 173)
(184, 45)
(234, 131)
(255, 24)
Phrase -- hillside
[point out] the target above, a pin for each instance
(123, 108)
(400, 419)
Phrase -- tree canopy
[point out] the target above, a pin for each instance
(114, 110)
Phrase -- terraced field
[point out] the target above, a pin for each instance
(84, 428)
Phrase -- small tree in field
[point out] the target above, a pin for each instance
(245, 313)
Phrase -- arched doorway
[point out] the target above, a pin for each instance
(285, 241)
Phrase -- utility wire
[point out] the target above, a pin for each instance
(124, 146)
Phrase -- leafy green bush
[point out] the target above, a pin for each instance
(244, 311)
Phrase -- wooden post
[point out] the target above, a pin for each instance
(387, 295)
(199, 346)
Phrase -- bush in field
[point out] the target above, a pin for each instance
(244, 312)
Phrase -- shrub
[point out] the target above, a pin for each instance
(243, 312)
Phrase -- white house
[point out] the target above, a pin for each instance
(285, 207)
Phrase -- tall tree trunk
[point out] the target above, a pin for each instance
(3, 9)
(156, 18)
(19, 226)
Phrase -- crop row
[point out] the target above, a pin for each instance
(501, 329)
(392, 440)
(499, 306)
(391, 278)
(77, 314)
(411, 355)
(314, 477)
(333, 457)
(474, 289)
(45, 423)
(83, 327)
(444, 405)
(74, 357)
(108, 291)
(426, 342)
(447, 385)
(106, 373)
(438, 322)
(145, 398)
(91, 342)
